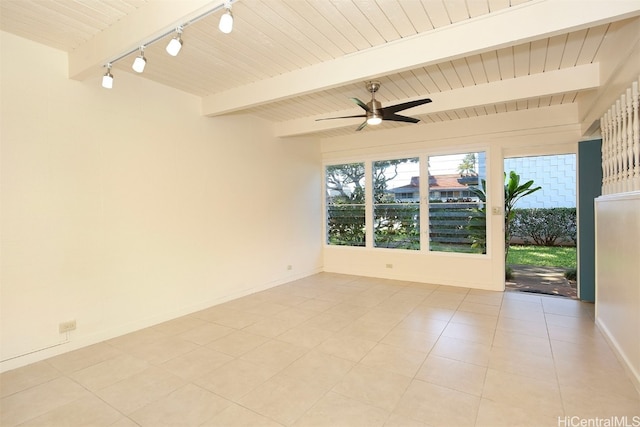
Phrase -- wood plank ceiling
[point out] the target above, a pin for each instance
(276, 38)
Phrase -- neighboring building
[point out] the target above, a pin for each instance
(555, 174)
(449, 187)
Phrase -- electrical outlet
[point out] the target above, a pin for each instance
(67, 326)
(389, 265)
(496, 210)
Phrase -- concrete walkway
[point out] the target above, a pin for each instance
(542, 280)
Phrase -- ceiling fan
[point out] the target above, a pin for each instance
(375, 113)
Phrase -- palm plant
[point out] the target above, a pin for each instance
(513, 191)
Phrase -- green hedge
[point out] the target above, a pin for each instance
(545, 226)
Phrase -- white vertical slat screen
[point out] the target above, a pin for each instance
(621, 144)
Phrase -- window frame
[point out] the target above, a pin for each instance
(423, 156)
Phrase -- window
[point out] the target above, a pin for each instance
(457, 203)
(396, 203)
(450, 209)
(345, 202)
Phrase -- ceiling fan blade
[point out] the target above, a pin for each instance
(361, 104)
(343, 117)
(399, 118)
(361, 126)
(405, 105)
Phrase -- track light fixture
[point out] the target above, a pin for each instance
(140, 62)
(107, 79)
(175, 44)
(226, 20)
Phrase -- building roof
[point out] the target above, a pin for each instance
(439, 182)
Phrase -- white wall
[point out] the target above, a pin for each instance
(126, 207)
(545, 131)
(618, 275)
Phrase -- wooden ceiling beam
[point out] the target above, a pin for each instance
(581, 78)
(529, 21)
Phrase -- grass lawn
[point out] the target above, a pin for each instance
(549, 256)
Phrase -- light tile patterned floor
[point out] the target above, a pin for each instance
(335, 350)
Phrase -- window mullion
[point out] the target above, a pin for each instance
(424, 203)
(368, 201)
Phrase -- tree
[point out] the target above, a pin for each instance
(513, 191)
(346, 209)
(340, 177)
(468, 165)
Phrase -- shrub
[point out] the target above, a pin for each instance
(571, 274)
(508, 273)
(545, 226)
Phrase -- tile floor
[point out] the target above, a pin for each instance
(335, 350)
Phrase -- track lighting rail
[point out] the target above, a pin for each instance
(226, 5)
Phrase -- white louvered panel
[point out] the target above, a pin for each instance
(478, 8)
(114, 10)
(510, 107)
(417, 15)
(437, 13)
(477, 69)
(463, 72)
(462, 114)
(572, 48)
(537, 56)
(379, 20)
(425, 79)
(506, 63)
(410, 79)
(480, 111)
(490, 64)
(544, 101)
(43, 26)
(490, 109)
(234, 50)
(395, 88)
(521, 60)
(495, 5)
(500, 108)
(440, 117)
(592, 43)
(571, 97)
(341, 23)
(556, 100)
(438, 78)
(271, 39)
(285, 34)
(300, 25)
(359, 21)
(521, 105)
(555, 49)
(396, 15)
(450, 74)
(322, 24)
(457, 10)
(533, 103)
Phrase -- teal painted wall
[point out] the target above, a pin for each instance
(589, 187)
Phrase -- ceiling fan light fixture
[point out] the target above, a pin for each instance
(140, 62)
(374, 120)
(175, 44)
